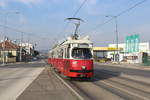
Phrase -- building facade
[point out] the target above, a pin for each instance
(130, 57)
(8, 52)
(29, 48)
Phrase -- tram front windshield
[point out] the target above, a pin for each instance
(81, 53)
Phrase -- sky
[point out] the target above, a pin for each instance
(42, 22)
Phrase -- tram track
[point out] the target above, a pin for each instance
(122, 76)
(83, 93)
(96, 92)
(76, 91)
(137, 90)
(111, 90)
(106, 85)
(128, 93)
(125, 81)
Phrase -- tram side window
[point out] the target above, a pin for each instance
(64, 53)
(55, 54)
(67, 52)
(60, 53)
(52, 55)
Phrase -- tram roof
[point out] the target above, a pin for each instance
(77, 41)
(71, 41)
(80, 40)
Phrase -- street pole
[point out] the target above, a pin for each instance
(117, 40)
(3, 51)
(5, 22)
(117, 55)
(21, 47)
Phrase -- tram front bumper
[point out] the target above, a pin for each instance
(81, 73)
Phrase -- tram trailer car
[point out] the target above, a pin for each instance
(73, 57)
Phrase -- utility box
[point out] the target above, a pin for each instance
(145, 59)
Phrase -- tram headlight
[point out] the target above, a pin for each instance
(83, 67)
(74, 62)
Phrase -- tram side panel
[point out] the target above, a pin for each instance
(72, 67)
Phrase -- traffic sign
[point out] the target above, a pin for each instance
(132, 43)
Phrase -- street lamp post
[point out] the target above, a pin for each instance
(5, 26)
(117, 40)
(20, 57)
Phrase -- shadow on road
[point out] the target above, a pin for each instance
(99, 74)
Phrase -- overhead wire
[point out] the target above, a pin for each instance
(76, 12)
(79, 8)
(137, 4)
(25, 33)
(119, 14)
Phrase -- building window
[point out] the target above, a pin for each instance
(10, 54)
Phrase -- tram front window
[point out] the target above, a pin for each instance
(81, 53)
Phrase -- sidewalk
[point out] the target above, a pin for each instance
(47, 87)
(124, 65)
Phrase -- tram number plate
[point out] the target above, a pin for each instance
(82, 75)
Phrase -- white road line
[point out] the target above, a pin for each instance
(142, 97)
(77, 94)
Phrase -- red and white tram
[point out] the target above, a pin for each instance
(73, 57)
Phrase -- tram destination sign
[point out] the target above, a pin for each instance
(83, 45)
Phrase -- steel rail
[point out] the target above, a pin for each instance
(124, 90)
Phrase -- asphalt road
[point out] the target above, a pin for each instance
(112, 83)
(121, 70)
(15, 78)
(30, 82)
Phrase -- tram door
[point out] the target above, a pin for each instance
(67, 60)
